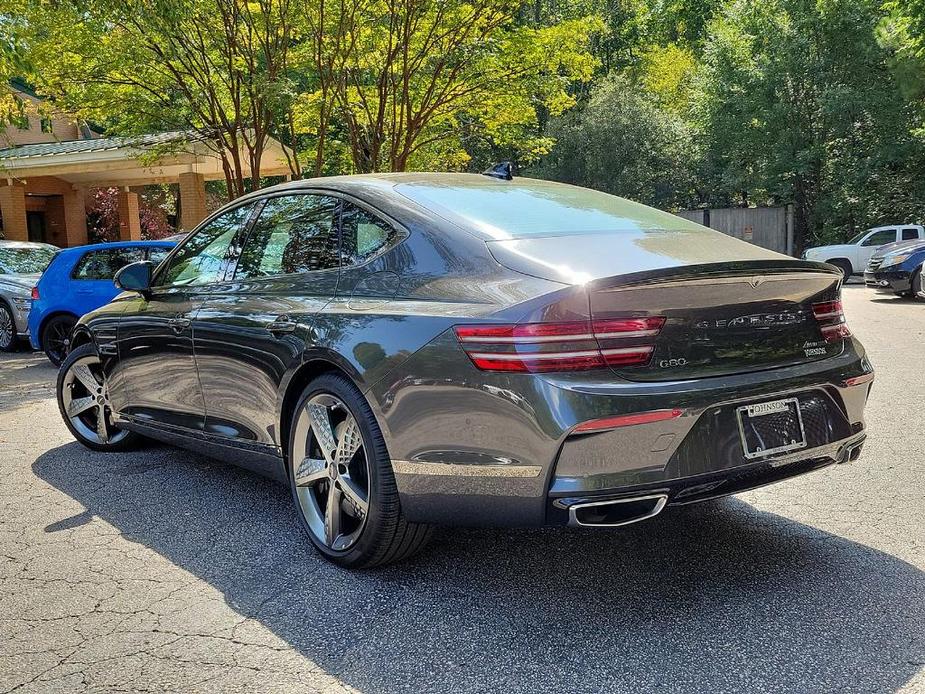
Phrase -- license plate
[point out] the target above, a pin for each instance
(768, 428)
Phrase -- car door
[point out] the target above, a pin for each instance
(872, 242)
(156, 379)
(91, 278)
(254, 328)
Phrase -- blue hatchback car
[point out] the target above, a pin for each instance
(79, 280)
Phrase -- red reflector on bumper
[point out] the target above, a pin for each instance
(627, 420)
(858, 380)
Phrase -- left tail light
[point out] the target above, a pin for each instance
(35, 293)
(560, 346)
(831, 318)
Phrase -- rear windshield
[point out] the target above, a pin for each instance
(528, 207)
(25, 261)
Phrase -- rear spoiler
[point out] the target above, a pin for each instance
(736, 268)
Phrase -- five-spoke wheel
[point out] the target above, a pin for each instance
(342, 479)
(83, 398)
(332, 471)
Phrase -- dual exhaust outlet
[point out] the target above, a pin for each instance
(612, 513)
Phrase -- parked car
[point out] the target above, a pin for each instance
(21, 263)
(411, 349)
(852, 257)
(79, 280)
(897, 269)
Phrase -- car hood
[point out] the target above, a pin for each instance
(897, 246)
(18, 284)
(575, 259)
(825, 252)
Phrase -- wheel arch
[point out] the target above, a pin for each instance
(296, 383)
(47, 317)
(838, 261)
(81, 337)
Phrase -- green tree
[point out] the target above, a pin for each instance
(623, 141)
(402, 80)
(218, 67)
(799, 104)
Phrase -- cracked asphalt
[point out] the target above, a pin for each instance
(161, 570)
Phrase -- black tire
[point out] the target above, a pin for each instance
(8, 340)
(844, 266)
(82, 426)
(56, 335)
(386, 536)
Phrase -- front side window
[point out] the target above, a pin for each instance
(293, 234)
(203, 256)
(364, 235)
(104, 264)
(878, 238)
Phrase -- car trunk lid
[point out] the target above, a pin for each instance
(726, 322)
(753, 311)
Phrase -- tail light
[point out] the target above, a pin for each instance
(562, 346)
(831, 318)
(35, 293)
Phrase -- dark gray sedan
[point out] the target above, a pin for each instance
(415, 349)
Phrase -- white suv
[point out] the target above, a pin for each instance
(852, 257)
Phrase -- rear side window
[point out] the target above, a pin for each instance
(104, 264)
(910, 233)
(363, 234)
(879, 238)
(293, 234)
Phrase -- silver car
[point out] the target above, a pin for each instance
(21, 265)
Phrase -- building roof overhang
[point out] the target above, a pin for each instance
(127, 161)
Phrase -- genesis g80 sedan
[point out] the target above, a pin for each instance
(405, 350)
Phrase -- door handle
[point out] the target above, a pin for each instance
(281, 326)
(179, 323)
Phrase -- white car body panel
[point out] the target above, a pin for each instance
(858, 254)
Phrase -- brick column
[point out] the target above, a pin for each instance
(13, 210)
(129, 220)
(192, 200)
(75, 217)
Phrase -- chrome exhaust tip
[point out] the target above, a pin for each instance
(612, 513)
(851, 452)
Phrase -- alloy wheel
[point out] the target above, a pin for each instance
(7, 332)
(85, 398)
(331, 472)
(56, 339)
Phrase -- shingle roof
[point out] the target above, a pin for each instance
(50, 149)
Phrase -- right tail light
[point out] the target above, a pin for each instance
(831, 318)
(560, 346)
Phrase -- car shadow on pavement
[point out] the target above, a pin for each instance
(720, 597)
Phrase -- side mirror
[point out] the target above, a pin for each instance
(135, 277)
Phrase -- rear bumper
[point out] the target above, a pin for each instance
(496, 449)
(889, 282)
(697, 488)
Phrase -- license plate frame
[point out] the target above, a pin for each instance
(746, 413)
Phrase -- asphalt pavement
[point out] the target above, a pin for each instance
(161, 570)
